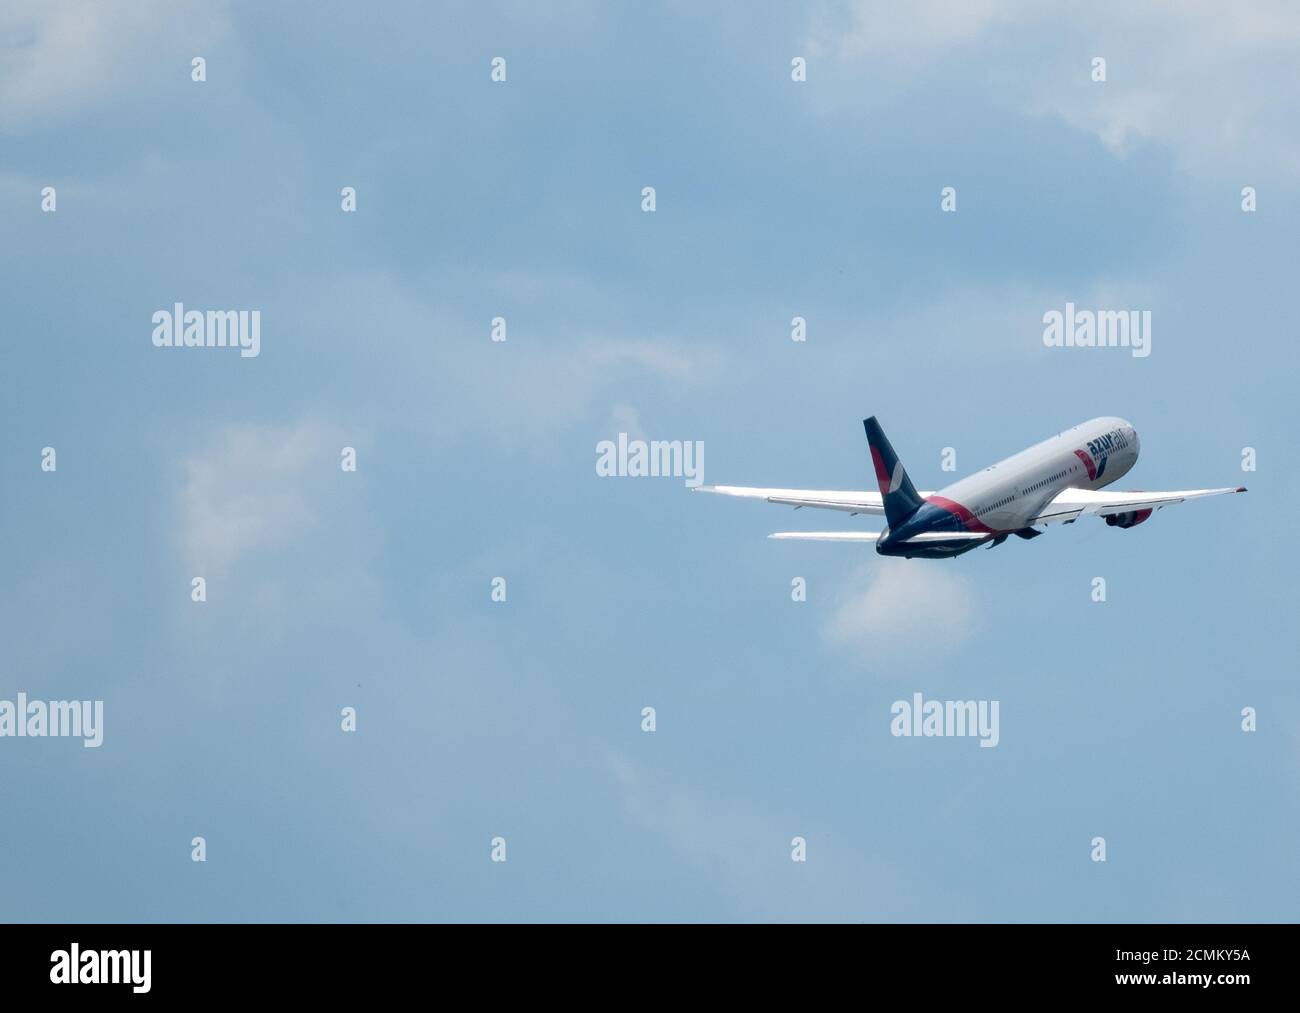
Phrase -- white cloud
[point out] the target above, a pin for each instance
(747, 850)
(254, 489)
(1213, 82)
(907, 605)
(624, 418)
(62, 56)
(454, 380)
(872, 27)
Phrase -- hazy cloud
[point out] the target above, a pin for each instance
(1213, 82)
(899, 604)
(69, 56)
(748, 852)
(452, 376)
(254, 488)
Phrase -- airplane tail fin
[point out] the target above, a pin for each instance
(900, 496)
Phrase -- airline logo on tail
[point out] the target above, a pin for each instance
(888, 483)
(898, 496)
(883, 479)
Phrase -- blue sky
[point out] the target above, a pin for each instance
(476, 459)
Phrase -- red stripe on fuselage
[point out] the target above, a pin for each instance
(971, 522)
(1087, 463)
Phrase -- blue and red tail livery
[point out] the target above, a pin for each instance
(898, 495)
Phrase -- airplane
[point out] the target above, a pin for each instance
(1053, 482)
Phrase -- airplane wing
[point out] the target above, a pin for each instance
(850, 502)
(1069, 505)
(1072, 504)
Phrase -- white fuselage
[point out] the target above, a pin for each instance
(1006, 495)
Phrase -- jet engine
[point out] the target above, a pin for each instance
(1128, 519)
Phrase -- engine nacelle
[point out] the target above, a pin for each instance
(1127, 520)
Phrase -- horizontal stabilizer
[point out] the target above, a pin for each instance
(871, 536)
(946, 536)
(828, 536)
